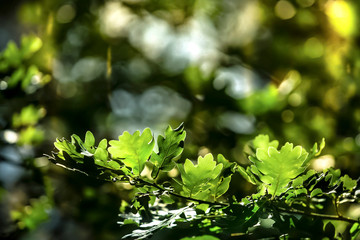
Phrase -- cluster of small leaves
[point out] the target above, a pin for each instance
(126, 158)
(32, 215)
(289, 201)
(273, 169)
(14, 61)
(26, 123)
(208, 179)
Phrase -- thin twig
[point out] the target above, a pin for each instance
(323, 216)
(181, 196)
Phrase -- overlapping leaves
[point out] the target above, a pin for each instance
(126, 156)
(280, 174)
(170, 147)
(133, 150)
(274, 169)
(206, 180)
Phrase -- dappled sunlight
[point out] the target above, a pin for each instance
(284, 10)
(238, 81)
(342, 17)
(224, 70)
(65, 13)
(323, 162)
(115, 18)
(152, 107)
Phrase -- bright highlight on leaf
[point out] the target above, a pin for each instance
(170, 147)
(205, 181)
(133, 150)
(276, 169)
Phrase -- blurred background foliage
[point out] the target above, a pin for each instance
(229, 69)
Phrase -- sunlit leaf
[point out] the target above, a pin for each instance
(300, 191)
(29, 45)
(261, 101)
(245, 174)
(33, 215)
(28, 116)
(12, 55)
(355, 231)
(65, 146)
(31, 72)
(88, 159)
(198, 179)
(315, 151)
(16, 76)
(203, 237)
(348, 182)
(316, 192)
(133, 150)
(31, 136)
(89, 140)
(263, 141)
(301, 179)
(277, 168)
(333, 175)
(170, 147)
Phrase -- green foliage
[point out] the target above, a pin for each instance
(32, 215)
(31, 136)
(275, 169)
(29, 115)
(348, 183)
(286, 204)
(14, 61)
(205, 181)
(262, 101)
(12, 56)
(170, 147)
(26, 123)
(133, 150)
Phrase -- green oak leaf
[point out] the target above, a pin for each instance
(263, 141)
(29, 45)
(315, 192)
(84, 157)
(315, 151)
(101, 155)
(333, 175)
(170, 147)
(298, 182)
(204, 181)
(133, 150)
(277, 168)
(348, 182)
(87, 147)
(223, 181)
(65, 146)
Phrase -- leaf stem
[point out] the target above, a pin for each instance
(319, 215)
(181, 196)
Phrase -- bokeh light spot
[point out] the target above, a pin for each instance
(3, 85)
(342, 17)
(287, 116)
(10, 136)
(65, 13)
(284, 10)
(305, 3)
(323, 162)
(295, 99)
(313, 48)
